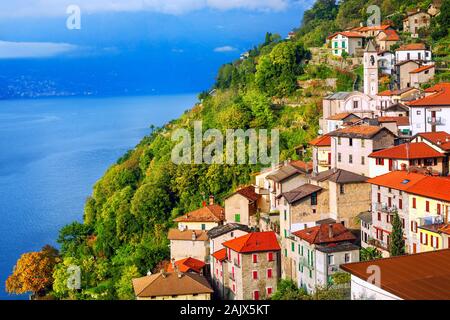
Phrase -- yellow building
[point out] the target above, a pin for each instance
(321, 153)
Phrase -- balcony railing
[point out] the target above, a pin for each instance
(384, 207)
(304, 262)
(379, 244)
(430, 220)
(437, 121)
(324, 163)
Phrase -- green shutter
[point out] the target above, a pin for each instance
(237, 218)
(293, 247)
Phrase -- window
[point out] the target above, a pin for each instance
(314, 199)
(255, 275)
(427, 206)
(400, 204)
(293, 247)
(363, 160)
(350, 142)
(203, 226)
(255, 258)
(285, 215)
(256, 295)
(363, 143)
(270, 257)
(350, 158)
(379, 197)
(237, 218)
(339, 140)
(342, 188)
(414, 226)
(347, 257)
(330, 260)
(343, 44)
(419, 112)
(414, 203)
(269, 273)
(379, 216)
(339, 157)
(355, 104)
(438, 209)
(269, 291)
(379, 162)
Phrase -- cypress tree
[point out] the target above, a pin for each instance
(397, 243)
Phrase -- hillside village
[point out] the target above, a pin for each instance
(380, 165)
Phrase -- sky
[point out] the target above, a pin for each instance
(130, 46)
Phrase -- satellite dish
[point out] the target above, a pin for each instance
(320, 131)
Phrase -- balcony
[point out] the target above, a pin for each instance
(324, 163)
(379, 244)
(384, 207)
(436, 121)
(431, 220)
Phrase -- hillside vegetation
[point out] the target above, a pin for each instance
(132, 206)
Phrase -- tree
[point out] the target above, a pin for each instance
(33, 272)
(397, 242)
(370, 253)
(287, 290)
(440, 25)
(124, 286)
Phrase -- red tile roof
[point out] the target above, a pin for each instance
(412, 46)
(440, 139)
(187, 265)
(322, 141)
(254, 242)
(249, 193)
(426, 186)
(398, 180)
(419, 150)
(322, 234)
(374, 28)
(362, 131)
(432, 187)
(401, 121)
(341, 116)
(440, 98)
(389, 93)
(303, 166)
(211, 213)
(423, 276)
(348, 34)
(423, 68)
(220, 255)
(390, 35)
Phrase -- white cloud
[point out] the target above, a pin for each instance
(20, 50)
(58, 7)
(225, 49)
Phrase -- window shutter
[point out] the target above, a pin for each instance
(269, 273)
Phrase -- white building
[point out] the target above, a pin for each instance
(431, 113)
(346, 41)
(413, 51)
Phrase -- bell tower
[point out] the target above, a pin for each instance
(371, 69)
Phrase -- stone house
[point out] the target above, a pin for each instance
(318, 253)
(241, 207)
(351, 147)
(253, 263)
(421, 75)
(416, 20)
(385, 39)
(403, 73)
(348, 195)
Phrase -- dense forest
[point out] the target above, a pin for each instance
(132, 206)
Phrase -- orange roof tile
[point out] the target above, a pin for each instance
(341, 116)
(432, 187)
(254, 242)
(187, 265)
(440, 139)
(419, 150)
(423, 68)
(322, 141)
(440, 98)
(220, 255)
(390, 35)
(348, 34)
(362, 131)
(187, 235)
(399, 180)
(412, 46)
(373, 28)
(303, 166)
(423, 276)
(211, 213)
(322, 234)
(401, 121)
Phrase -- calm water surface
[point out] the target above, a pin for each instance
(51, 154)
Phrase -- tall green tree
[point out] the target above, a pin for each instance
(397, 243)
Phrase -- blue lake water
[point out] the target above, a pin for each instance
(51, 154)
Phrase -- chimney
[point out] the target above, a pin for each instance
(203, 203)
(330, 231)
(211, 200)
(173, 264)
(194, 236)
